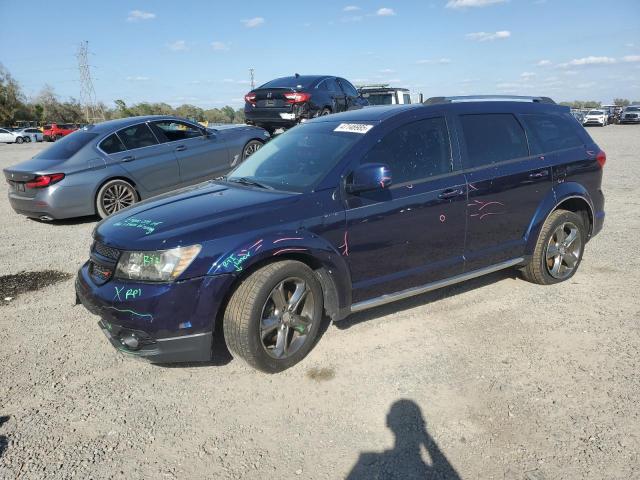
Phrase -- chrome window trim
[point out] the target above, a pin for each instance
(410, 292)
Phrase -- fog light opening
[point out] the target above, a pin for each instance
(130, 341)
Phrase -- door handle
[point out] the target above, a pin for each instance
(450, 193)
(128, 158)
(180, 148)
(539, 174)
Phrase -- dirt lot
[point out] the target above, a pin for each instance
(510, 380)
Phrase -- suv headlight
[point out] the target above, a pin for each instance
(158, 265)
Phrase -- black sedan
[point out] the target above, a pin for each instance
(285, 102)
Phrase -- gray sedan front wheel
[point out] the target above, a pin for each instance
(115, 195)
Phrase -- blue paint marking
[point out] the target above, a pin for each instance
(133, 313)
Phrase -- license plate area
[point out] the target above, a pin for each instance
(269, 103)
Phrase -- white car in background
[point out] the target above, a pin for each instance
(29, 134)
(7, 136)
(596, 117)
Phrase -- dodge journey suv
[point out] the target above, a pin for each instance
(344, 213)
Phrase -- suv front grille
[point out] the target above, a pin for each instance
(106, 251)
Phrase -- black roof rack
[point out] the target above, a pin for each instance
(485, 98)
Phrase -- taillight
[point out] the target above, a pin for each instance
(601, 157)
(42, 181)
(296, 97)
(250, 98)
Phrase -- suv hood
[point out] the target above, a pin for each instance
(192, 215)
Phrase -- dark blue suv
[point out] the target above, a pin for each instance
(344, 213)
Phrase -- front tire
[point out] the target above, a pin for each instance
(113, 196)
(19, 140)
(559, 248)
(273, 317)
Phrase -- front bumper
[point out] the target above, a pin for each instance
(158, 322)
(630, 120)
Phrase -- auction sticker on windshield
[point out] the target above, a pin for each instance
(353, 128)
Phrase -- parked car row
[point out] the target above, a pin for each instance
(608, 115)
(20, 135)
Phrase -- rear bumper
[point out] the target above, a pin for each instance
(55, 202)
(160, 323)
(277, 117)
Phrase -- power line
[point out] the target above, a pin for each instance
(93, 112)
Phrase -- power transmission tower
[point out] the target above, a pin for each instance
(253, 83)
(92, 111)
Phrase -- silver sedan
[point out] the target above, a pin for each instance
(106, 167)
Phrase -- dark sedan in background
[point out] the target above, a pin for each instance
(285, 102)
(106, 167)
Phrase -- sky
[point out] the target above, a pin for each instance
(200, 52)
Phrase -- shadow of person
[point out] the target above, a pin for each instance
(405, 460)
(3, 440)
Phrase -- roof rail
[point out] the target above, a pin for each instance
(485, 98)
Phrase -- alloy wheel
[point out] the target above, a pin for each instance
(287, 317)
(563, 250)
(117, 197)
(251, 148)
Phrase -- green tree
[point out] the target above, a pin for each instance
(621, 102)
(11, 97)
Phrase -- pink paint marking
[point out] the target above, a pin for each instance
(290, 250)
(345, 245)
(491, 203)
(255, 244)
(382, 181)
(258, 247)
(489, 213)
(287, 238)
(472, 187)
(442, 218)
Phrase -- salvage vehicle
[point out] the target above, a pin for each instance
(596, 117)
(55, 131)
(285, 102)
(106, 167)
(344, 213)
(383, 94)
(630, 114)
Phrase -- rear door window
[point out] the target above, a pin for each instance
(171, 131)
(112, 144)
(137, 136)
(415, 151)
(492, 138)
(332, 85)
(548, 133)
(348, 88)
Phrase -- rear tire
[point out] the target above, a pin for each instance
(113, 196)
(558, 251)
(250, 148)
(27, 139)
(325, 111)
(273, 317)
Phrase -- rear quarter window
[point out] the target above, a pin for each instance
(112, 144)
(548, 133)
(492, 138)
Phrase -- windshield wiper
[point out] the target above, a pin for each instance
(249, 181)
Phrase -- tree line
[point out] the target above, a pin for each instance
(47, 106)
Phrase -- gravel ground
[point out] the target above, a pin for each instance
(493, 378)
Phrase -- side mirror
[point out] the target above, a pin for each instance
(368, 177)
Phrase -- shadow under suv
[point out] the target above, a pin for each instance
(285, 102)
(344, 213)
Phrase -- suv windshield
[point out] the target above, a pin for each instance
(290, 82)
(632, 109)
(298, 159)
(67, 146)
(596, 112)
